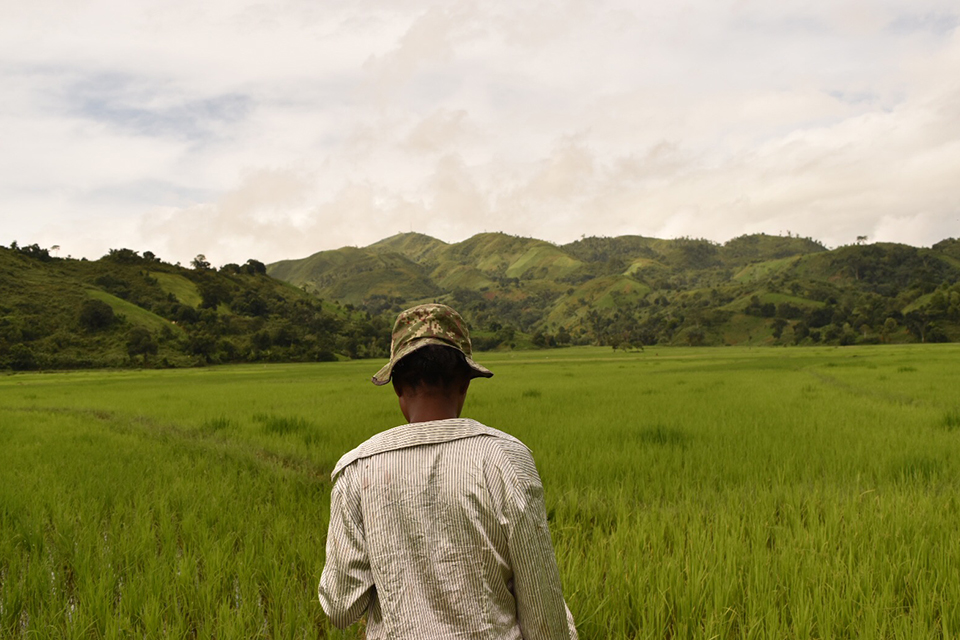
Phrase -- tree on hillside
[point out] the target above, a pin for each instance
(123, 255)
(697, 254)
(140, 342)
(202, 344)
(96, 314)
(917, 323)
(35, 251)
(695, 337)
(251, 304)
(200, 262)
(21, 358)
(213, 293)
(800, 331)
(889, 328)
(778, 325)
(255, 267)
(789, 311)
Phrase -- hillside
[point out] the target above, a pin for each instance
(128, 309)
(354, 275)
(131, 309)
(632, 290)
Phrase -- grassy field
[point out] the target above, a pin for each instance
(693, 493)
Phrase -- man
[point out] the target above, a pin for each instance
(438, 527)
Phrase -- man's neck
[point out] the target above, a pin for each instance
(429, 411)
(425, 404)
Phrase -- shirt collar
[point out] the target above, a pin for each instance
(418, 434)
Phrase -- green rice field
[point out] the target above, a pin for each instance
(692, 493)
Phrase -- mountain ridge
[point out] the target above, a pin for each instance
(128, 309)
(639, 290)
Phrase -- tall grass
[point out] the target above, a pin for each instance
(711, 493)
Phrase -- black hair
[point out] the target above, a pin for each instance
(434, 365)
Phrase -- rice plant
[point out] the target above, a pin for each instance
(693, 493)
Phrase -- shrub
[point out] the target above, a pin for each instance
(140, 342)
(96, 314)
(22, 358)
(326, 355)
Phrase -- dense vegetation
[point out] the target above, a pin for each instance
(632, 291)
(692, 493)
(627, 292)
(128, 308)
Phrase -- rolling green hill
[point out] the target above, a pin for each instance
(353, 275)
(633, 290)
(126, 309)
(415, 246)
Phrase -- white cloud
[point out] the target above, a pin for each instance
(275, 130)
(439, 131)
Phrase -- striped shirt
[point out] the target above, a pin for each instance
(438, 530)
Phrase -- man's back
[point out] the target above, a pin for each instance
(446, 520)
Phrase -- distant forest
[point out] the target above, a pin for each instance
(628, 292)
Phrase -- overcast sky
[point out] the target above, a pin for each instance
(273, 130)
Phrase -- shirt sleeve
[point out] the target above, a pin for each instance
(541, 610)
(346, 585)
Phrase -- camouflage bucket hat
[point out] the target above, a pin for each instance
(429, 324)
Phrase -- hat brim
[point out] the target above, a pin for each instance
(382, 377)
